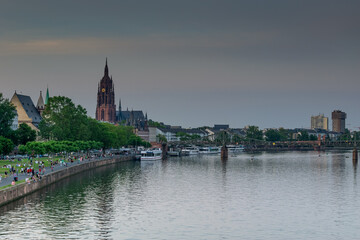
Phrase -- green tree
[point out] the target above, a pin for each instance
(222, 138)
(34, 148)
(303, 136)
(25, 134)
(254, 133)
(152, 123)
(284, 134)
(7, 115)
(6, 146)
(272, 135)
(64, 121)
(346, 136)
(161, 138)
(236, 139)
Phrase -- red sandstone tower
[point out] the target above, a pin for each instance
(106, 108)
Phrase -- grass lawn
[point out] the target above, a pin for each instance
(20, 164)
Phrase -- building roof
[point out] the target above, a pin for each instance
(30, 108)
(126, 115)
(221, 126)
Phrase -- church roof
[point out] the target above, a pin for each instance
(30, 108)
(137, 115)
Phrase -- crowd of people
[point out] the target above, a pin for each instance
(34, 169)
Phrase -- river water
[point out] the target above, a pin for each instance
(293, 195)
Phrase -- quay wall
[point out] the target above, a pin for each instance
(12, 193)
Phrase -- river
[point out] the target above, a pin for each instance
(291, 195)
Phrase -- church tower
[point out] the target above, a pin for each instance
(106, 108)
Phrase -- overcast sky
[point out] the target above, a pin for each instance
(190, 63)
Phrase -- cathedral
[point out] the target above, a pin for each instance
(106, 108)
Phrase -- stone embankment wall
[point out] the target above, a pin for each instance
(15, 192)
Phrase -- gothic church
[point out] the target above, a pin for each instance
(106, 108)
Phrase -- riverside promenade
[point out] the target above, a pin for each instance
(50, 176)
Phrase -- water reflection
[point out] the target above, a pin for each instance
(262, 196)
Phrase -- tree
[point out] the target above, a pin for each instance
(7, 115)
(254, 133)
(64, 121)
(236, 139)
(25, 134)
(222, 138)
(161, 138)
(284, 134)
(152, 123)
(303, 136)
(272, 135)
(6, 146)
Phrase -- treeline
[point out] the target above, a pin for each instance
(62, 121)
(52, 147)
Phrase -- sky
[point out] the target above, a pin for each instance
(191, 62)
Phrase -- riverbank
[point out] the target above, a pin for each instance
(21, 189)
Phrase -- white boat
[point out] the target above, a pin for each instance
(209, 150)
(151, 154)
(190, 151)
(173, 152)
(235, 148)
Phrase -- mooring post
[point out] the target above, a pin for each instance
(355, 155)
(224, 152)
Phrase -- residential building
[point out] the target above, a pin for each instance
(320, 122)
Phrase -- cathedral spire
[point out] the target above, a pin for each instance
(106, 72)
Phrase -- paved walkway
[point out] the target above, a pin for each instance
(56, 168)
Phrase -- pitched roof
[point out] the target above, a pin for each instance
(30, 109)
(137, 115)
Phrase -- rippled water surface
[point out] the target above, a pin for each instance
(296, 195)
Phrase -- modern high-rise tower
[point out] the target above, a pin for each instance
(319, 121)
(106, 108)
(338, 121)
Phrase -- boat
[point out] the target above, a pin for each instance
(151, 154)
(190, 151)
(209, 150)
(174, 152)
(235, 148)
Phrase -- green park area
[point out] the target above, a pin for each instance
(26, 163)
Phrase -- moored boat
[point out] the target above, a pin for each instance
(151, 154)
(209, 150)
(235, 148)
(190, 151)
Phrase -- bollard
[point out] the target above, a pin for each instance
(224, 153)
(355, 155)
